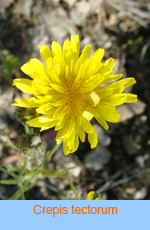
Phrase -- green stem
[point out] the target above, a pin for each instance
(21, 191)
(48, 157)
(71, 186)
(31, 130)
(27, 129)
(8, 182)
(8, 172)
(23, 168)
(20, 160)
(26, 187)
(9, 142)
(20, 178)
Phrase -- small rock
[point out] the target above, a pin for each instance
(4, 4)
(129, 144)
(130, 191)
(75, 171)
(26, 8)
(140, 195)
(85, 41)
(75, 17)
(79, 13)
(71, 2)
(83, 7)
(140, 160)
(97, 158)
(108, 44)
(128, 111)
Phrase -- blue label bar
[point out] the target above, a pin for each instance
(39, 215)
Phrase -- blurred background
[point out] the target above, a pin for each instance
(119, 168)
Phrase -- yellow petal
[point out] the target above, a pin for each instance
(87, 115)
(29, 102)
(90, 195)
(108, 112)
(102, 122)
(110, 77)
(66, 130)
(84, 56)
(28, 70)
(95, 98)
(72, 140)
(86, 125)
(99, 54)
(30, 67)
(115, 100)
(66, 149)
(81, 133)
(39, 88)
(45, 52)
(93, 66)
(113, 88)
(75, 45)
(42, 122)
(104, 91)
(56, 48)
(24, 85)
(119, 99)
(36, 69)
(109, 64)
(93, 82)
(85, 53)
(93, 140)
(61, 111)
(66, 45)
(127, 82)
(129, 98)
(46, 109)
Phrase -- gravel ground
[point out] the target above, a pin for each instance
(119, 168)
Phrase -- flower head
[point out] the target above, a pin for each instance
(70, 89)
(93, 196)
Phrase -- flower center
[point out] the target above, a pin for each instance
(75, 99)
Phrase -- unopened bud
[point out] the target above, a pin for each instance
(25, 114)
(32, 145)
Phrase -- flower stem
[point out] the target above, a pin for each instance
(21, 191)
(48, 157)
(27, 129)
(10, 143)
(23, 168)
(20, 178)
(71, 186)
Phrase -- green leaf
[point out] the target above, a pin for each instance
(26, 187)
(47, 171)
(63, 171)
(8, 182)
(144, 50)
(7, 171)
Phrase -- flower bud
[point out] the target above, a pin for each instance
(32, 145)
(25, 114)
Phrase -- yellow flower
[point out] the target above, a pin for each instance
(70, 90)
(92, 196)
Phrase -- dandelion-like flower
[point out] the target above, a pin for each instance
(70, 89)
(93, 196)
